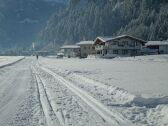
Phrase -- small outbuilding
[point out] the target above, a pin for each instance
(70, 51)
(86, 48)
(157, 47)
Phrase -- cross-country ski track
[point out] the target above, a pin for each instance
(111, 116)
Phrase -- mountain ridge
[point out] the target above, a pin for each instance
(144, 19)
(22, 20)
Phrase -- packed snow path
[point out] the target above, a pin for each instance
(19, 104)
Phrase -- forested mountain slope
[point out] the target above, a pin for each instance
(22, 20)
(86, 19)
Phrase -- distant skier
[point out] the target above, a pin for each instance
(37, 56)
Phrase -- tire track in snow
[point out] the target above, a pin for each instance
(112, 117)
(50, 116)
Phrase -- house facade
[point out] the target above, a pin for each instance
(86, 48)
(124, 45)
(156, 47)
(70, 51)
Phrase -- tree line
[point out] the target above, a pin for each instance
(87, 19)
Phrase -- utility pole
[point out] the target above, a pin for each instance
(33, 46)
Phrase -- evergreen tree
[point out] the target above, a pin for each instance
(147, 19)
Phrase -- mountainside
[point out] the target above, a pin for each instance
(86, 19)
(57, 1)
(22, 20)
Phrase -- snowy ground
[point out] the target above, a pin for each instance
(134, 87)
(19, 104)
(8, 60)
(142, 75)
(85, 92)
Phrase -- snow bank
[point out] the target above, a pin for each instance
(9, 60)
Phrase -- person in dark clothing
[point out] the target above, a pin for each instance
(37, 56)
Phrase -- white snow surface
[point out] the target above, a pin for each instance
(8, 60)
(136, 87)
(19, 103)
(144, 75)
(130, 91)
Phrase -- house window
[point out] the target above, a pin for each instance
(120, 44)
(125, 43)
(133, 52)
(98, 52)
(137, 43)
(124, 52)
(115, 51)
(93, 47)
(132, 44)
(114, 43)
(105, 51)
(85, 47)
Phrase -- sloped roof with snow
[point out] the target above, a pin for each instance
(85, 43)
(70, 47)
(156, 43)
(105, 39)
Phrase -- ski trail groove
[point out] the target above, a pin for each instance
(50, 116)
(38, 93)
(112, 117)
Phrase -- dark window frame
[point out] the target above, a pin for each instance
(115, 51)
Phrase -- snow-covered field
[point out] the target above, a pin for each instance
(136, 88)
(84, 92)
(145, 75)
(8, 60)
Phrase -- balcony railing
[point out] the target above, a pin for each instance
(100, 47)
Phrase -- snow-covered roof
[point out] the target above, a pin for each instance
(85, 43)
(129, 36)
(150, 43)
(70, 47)
(105, 39)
